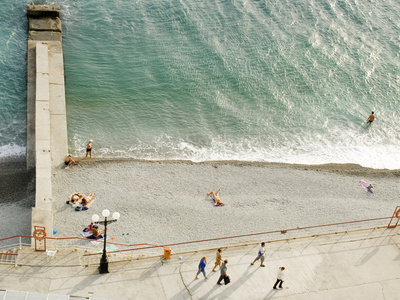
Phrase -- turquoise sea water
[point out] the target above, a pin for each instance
(273, 80)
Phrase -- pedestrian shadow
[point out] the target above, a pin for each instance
(370, 253)
(397, 257)
(213, 290)
(367, 256)
(271, 294)
(193, 288)
(183, 294)
(150, 270)
(86, 283)
(236, 283)
(311, 242)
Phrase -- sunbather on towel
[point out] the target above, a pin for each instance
(216, 198)
(96, 233)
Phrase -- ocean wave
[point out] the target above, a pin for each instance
(254, 150)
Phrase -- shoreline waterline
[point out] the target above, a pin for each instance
(345, 168)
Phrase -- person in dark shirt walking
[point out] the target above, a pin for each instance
(223, 272)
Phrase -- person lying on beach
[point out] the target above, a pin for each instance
(96, 233)
(75, 198)
(88, 200)
(368, 186)
(216, 198)
(69, 161)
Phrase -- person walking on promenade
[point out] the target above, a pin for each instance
(279, 278)
(89, 148)
(202, 266)
(218, 260)
(223, 272)
(260, 255)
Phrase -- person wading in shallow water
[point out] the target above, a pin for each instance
(371, 118)
(89, 148)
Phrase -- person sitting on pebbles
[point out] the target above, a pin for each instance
(69, 160)
(216, 198)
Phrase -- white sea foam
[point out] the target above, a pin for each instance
(165, 148)
(12, 151)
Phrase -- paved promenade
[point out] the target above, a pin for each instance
(362, 264)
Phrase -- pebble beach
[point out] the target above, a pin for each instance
(165, 202)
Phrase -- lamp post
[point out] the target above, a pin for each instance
(95, 218)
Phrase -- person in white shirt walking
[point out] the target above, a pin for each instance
(279, 278)
(260, 255)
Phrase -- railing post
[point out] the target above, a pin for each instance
(20, 244)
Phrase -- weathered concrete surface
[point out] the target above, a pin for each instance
(31, 96)
(362, 264)
(51, 11)
(42, 134)
(58, 110)
(47, 142)
(44, 35)
(48, 24)
(46, 80)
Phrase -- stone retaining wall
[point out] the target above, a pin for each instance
(47, 142)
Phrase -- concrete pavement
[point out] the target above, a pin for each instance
(362, 264)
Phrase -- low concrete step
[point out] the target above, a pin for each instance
(20, 295)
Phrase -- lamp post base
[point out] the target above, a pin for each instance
(103, 267)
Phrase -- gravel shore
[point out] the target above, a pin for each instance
(164, 202)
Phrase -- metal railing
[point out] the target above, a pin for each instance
(15, 242)
(203, 241)
(119, 251)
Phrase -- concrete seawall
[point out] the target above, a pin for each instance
(47, 142)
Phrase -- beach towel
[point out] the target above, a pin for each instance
(94, 242)
(110, 247)
(367, 186)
